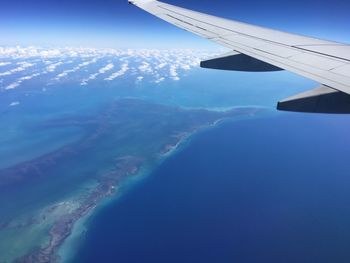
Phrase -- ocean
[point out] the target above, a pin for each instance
(264, 190)
(264, 185)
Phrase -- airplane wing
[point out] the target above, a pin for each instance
(259, 49)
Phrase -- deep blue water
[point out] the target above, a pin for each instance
(268, 190)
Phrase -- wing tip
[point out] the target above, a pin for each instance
(139, 2)
(321, 100)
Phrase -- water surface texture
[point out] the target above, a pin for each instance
(123, 155)
(273, 190)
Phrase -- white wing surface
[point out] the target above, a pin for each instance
(260, 49)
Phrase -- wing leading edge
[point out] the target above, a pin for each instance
(259, 49)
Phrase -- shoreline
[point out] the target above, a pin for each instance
(65, 252)
(63, 227)
(184, 139)
(68, 228)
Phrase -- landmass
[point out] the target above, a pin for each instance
(62, 228)
(119, 141)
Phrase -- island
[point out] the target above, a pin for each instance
(51, 193)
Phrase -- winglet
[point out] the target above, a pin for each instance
(320, 100)
(238, 62)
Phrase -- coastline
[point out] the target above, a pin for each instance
(63, 227)
(72, 242)
(69, 228)
(68, 248)
(65, 252)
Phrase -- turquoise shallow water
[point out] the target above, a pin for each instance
(268, 190)
(43, 118)
(198, 88)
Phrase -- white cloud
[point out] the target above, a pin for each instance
(78, 67)
(159, 64)
(20, 80)
(15, 103)
(145, 67)
(63, 74)
(106, 68)
(52, 67)
(25, 64)
(49, 53)
(159, 80)
(121, 72)
(94, 76)
(84, 82)
(22, 67)
(4, 64)
(186, 67)
(86, 63)
(139, 78)
(13, 85)
(173, 73)
(29, 77)
(168, 63)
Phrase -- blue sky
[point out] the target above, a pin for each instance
(115, 23)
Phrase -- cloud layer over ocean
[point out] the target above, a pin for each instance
(86, 65)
